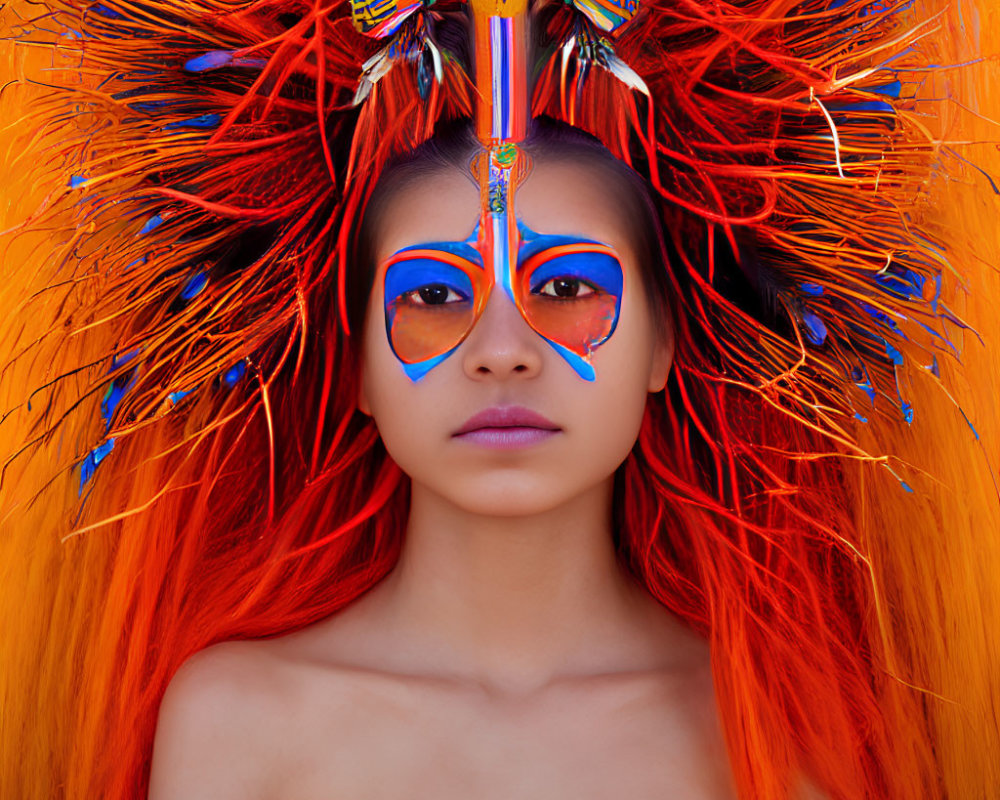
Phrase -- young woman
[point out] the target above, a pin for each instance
(510, 653)
(388, 523)
(519, 646)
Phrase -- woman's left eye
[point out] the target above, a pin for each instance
(434, 294)
(565, 287)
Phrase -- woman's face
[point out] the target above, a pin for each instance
(503, 362)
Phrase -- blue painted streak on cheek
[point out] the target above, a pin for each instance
(417, 371)
(583, 368)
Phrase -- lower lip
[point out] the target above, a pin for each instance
(506, 438)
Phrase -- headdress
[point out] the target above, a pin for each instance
(233, 146)
(213, 164)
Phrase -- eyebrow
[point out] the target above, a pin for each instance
(436, 249)
(425, 251)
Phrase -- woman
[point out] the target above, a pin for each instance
(509, 652)
(272, 481)
(519, 624)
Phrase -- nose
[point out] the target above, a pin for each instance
(501, 344)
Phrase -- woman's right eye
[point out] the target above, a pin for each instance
(434, 294)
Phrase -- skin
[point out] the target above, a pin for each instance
(507, 655)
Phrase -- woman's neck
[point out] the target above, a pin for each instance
(516, 602)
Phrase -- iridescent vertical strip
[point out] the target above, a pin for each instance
(501, 122)
(503, 227)
(501, 44)
(509, 90)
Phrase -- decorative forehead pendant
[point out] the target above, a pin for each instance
(422, 337)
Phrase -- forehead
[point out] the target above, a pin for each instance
(572, 199)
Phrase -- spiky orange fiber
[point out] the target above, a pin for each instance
(179, 251)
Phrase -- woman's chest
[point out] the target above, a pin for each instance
(627, 741)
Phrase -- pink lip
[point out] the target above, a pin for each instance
(505, 427)
(507, 417)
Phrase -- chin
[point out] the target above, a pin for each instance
(511, 496)
(507, 509)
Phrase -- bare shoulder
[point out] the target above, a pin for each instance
(212, 736)
(252, 719)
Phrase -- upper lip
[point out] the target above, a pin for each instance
(507, 417)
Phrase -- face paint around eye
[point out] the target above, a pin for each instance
(591, 277)
(567, 289)
(431, 296)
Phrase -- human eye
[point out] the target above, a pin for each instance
(434, 294)
(566, 287)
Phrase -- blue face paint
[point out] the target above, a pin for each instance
(568, 289)
(600, 269)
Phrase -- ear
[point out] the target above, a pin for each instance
(659, 364)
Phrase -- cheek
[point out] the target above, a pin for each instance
(622, 365)
(378, 380)
(379, 366)
(407, 414)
